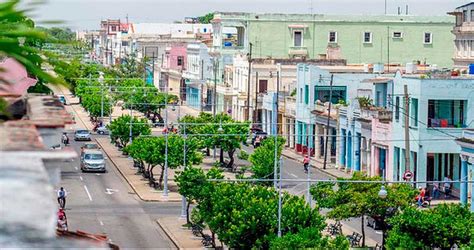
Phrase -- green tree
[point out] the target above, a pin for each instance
(440, 227)
(19, 39)
(120, 129)
(309, 238)
(358, 199)
(189, 182)
(263, 158)
(206, 19)
(92, 103)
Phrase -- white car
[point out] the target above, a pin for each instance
(102, 130)
(82, 135)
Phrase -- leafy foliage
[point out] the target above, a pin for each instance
(19, 39)
(188, 181)
(308, 238)
(206, 19)
(347, 200)
(120, 128)
(442, 227)
(263, 158)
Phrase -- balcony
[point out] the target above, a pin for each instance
(290, 106)
(323, 108)
(465, 28)
(226, 90)
(383, 115)
(298, 51)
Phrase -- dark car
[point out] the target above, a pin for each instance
(256, 133)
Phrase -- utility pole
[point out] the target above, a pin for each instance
(275, 130)
(385, 7)
(202, 83)
(407, 127)
(255, 113)
(214, 98)
(249, 57)
(327, 124)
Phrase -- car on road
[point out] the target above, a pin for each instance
(82, 135)
(102, 130)
(92, 160)
(87, 146)
(256, 132)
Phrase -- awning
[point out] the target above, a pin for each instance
(298, 26)
(376, 80)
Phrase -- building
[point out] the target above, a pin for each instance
(174, 65)
(439, 110)
(464, 36)
(197, 77)
(467, 165)
(313, 95)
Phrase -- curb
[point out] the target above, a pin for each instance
(128, 182)
(319, 169)
(170, 236)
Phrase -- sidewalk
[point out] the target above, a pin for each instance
(182, 237)
(139, 184)
(348, 230)
(316, 163)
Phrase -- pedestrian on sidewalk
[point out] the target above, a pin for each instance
(306, 163)
(447, 186)
(435, 190)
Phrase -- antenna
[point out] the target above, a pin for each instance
(406, 9)
(126, 17)
(311, 7)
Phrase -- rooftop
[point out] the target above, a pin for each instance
(331, 18)
(47, 111)
(19, 136)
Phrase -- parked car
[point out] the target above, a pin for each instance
(92, 160)
(256, 133)
(102, 130)
(87, 146)
(82, 135)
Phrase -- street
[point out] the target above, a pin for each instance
(104, 203)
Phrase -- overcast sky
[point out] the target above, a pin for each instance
(86, 14)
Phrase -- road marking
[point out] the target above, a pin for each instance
(101, 223)
(97, 174)
(88, 194)
(378, 232)
(76, 168)
(110, 191)
(294, 175)
(80, 177)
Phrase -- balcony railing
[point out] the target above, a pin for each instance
(468, 134)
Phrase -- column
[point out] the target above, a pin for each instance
(463, 177)
(369, 156)
(357, 152)
(342, 149)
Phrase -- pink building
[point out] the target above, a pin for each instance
(172, 70)
(382, 149)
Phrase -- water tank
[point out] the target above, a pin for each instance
(471, 69)
(410, 68)
(378, 68)
(366, 68)
(434, 67)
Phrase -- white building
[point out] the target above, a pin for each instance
(464, 32)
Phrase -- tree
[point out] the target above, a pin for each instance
(206, 19)
(19, 39)
(309, 238)
(92, 103)
(120, 129)
(440, 227)
(263, 158)
(189, 182)
(154, 152)
(348, 200)
(244, 216)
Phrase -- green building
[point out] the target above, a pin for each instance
(358, 39)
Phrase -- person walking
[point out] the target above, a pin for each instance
(447, 186)
(435, 190)
(62, 197)
(306, 163)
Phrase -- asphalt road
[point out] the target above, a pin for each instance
(104, 203)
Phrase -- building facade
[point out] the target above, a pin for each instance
(196, 76)
(467, 166)
(440, 107)
(174, 65)
(464, 36)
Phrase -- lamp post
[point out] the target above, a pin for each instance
(101, 81)
(383, 195)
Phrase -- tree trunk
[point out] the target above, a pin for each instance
(362, 228)
(160, 181)
(151, 176)
(231, 161)
(221, 156)
(187, 213)
(208, 152)
(213, 239)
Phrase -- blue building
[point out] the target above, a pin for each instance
(197, 74)
(440, 107)
(467, 165)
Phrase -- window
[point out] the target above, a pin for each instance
(428, 38)
(367, 37)
(447, 113)
(397, 34)
(397, 108)
(464, 16)
(298, 39)
(306, 94)
(332, 37)
(124, 43)
(180, 60)
(414, 112)
(262, 86)
(301, 95)
(472, 16)
(322, 93)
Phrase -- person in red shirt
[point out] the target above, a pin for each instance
(420, 198)
(306, 163)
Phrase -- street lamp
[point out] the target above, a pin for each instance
(383, 192)
(101, 81)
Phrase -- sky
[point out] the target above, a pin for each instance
(86, 14)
